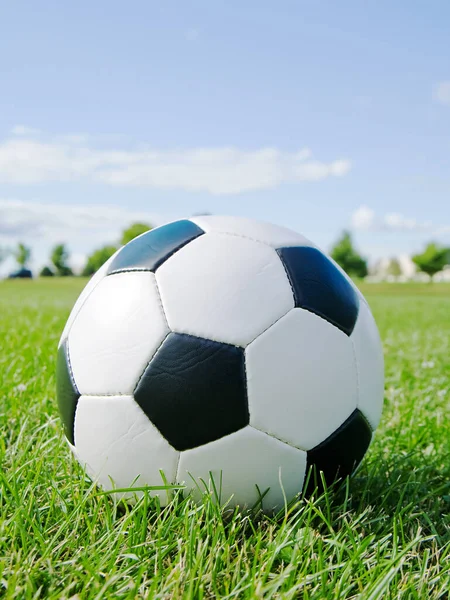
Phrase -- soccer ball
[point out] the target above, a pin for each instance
(224, 354)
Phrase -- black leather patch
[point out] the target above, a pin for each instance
(194, 390)
(340, 454)
(66, 392)
(320, 287)
(152, 249)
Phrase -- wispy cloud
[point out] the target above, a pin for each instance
(56, 222)
(364, 218)
(399, 222)
(222, 170)
(441, 92)
(23, 130)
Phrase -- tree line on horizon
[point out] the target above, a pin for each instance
(59, 255)
(432, 260)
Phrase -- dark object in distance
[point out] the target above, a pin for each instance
(21, 274)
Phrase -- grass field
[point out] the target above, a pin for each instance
(386, 534)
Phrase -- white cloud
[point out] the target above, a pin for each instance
(57, 222)
(43, 224)
(365, 219)
(398, 222)
(74, 138)
(441, 92)
(222, 170)
(23, 130)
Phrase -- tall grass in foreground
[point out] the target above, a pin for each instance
(385, 534)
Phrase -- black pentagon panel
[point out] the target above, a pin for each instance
(340, 454)
(66, 392)
(320, 287)
(194, 390)
(150, 250)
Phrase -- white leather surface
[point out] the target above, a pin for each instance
(370, 363)
(224, 288)
(302, 381)
(115, 334)
(270, 234)
(241, 461)
(89, 287)
(115, 440)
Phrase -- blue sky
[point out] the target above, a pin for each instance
(318, 115)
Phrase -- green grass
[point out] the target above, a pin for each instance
(386, 534)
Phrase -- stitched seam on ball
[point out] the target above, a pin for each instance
(268, 244)
(158, 293)
(148, 363)
(246, 385)
(288, 275)
(118, 271)
(244, 237)
(69, 364)
(208, 338)
(119, 395)
(358, 405)
(367, 421)
(327, 320)
(290, 444)
(271, 325)
(72, 377)
(358, 387)
(178, 467)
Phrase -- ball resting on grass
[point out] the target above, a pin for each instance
(221, 354)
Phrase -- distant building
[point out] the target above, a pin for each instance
(401, 269)
(408, 267)
(398, 268)
(443, 276)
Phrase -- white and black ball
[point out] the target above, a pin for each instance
(220, 348)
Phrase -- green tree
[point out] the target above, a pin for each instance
(59, 258)
(133, 231)
(344, 253)
(394, 268)
(46, 272)
(433, 259)
(97, 259)
(22, 254)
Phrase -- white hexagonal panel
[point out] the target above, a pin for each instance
(225, 288)
(270, 234)
(301, 378)
(88, 289)
(119, 446)
(370, 364)
(116, 333)
(240, 462)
